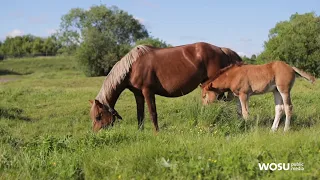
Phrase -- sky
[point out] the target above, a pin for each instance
(240, 25)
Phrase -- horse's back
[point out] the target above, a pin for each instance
(173, 71)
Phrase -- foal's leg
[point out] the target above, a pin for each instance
(151, 101)
(284, 90)
(239, 111)
(244, 103)
(140, 110)
(230, 96)
(278, 109)
(287, 108)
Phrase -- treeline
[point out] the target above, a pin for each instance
(29, 45)
(101, 35)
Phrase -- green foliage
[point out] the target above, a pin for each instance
(251, 60)
(104, 34)
(155, 42)
(29, 45)
(1, 52)
(45, 131)
(296, 41)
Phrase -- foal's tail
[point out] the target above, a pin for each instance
(308, 76)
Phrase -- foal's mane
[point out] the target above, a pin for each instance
(223, 70)
(120, 70)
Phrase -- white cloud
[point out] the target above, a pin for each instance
(141, 20)
(15, 32)
(243, 54)
(51, 31)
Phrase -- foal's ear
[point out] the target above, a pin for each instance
(98, 103)
(208, 86)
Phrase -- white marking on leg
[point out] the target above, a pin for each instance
(287, 108)
(243, 100)
(278, 110)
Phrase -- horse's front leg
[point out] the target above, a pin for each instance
(151, 101)
(140, 110)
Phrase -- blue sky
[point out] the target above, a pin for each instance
(239, 25)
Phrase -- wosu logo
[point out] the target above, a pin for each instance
(280, 166)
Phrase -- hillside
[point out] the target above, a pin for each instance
(45, 131)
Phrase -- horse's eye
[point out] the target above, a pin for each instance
(99, 117)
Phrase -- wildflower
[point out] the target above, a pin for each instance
(54, 164)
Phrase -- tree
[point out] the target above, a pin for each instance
(296, 41)
(29, 45)
(155, 42)
(247, 60)
(50, 46)
(253, 57)
(37, 46)
(103, 35)
(1, 52)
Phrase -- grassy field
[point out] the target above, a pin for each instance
(45, 131)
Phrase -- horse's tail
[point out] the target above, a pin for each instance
(307, 76)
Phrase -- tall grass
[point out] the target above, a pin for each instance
(45, 131)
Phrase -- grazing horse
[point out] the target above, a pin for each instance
(246, 80)
(148, 71)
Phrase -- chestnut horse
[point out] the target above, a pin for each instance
(148, 71)
(247, 80)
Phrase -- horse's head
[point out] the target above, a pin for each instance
(102, 116)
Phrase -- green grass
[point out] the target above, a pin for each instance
(45, 131)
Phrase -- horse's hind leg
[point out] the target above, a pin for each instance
(278, 109)
(285, 94)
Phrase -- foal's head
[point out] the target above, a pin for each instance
(102, 116)
(210, 94)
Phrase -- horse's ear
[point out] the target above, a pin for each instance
(91, 102)
(98, 103)
(118, 116)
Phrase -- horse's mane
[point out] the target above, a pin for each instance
(120, 70)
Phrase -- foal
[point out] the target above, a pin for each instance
(246, 80)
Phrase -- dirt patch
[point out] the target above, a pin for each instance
(4, 80)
